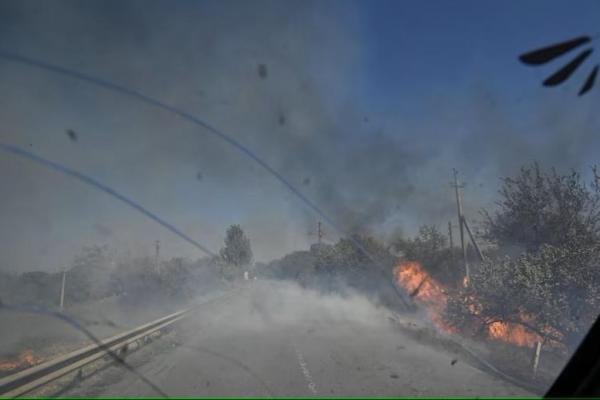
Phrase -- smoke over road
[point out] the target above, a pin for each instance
(277, 339)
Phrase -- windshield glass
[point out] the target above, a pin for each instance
(297, 198)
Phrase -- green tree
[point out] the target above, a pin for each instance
(538, 207)
(552, 282)
(237, 250)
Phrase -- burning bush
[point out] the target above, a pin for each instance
(546, 276)
(430, 248)
(542, 281)
(462, 312)
(411, 276)
(550, 295)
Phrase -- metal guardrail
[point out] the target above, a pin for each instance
(32, 378)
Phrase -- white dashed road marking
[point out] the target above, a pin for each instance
(304, 367)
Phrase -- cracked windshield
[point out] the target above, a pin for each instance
(296, 198)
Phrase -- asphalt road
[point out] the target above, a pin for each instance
(279, 340)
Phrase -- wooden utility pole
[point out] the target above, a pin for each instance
(461, 224)
(451, 242)
(479, 253)
(62, 290)
(156, 254)
(319, 233)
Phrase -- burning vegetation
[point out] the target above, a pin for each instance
(26, 359)
(513, 332)
(426, 290)
(539, 280)
(433, 296)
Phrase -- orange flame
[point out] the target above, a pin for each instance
(412, 277)
(514, 333)
(519, 334)
(26, 359)
(433, 296)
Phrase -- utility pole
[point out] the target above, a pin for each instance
(479, 253)
(157, 253)
(451, 241)
(461, 224)
(319, 233)
(62, 290)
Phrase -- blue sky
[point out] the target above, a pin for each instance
(416, 49)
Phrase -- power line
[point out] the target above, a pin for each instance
(99, 185)
(14, 57)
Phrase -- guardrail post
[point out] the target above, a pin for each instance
(536, 358)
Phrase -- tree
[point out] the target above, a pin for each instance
(538, 207)
(137, 278)
(552, 292)
(551, 284)
(431, 250)
(363, 252)
(89, 276)
(237, 250)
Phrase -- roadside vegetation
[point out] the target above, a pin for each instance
(95, 275)
(539, 282)
(542, 270)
